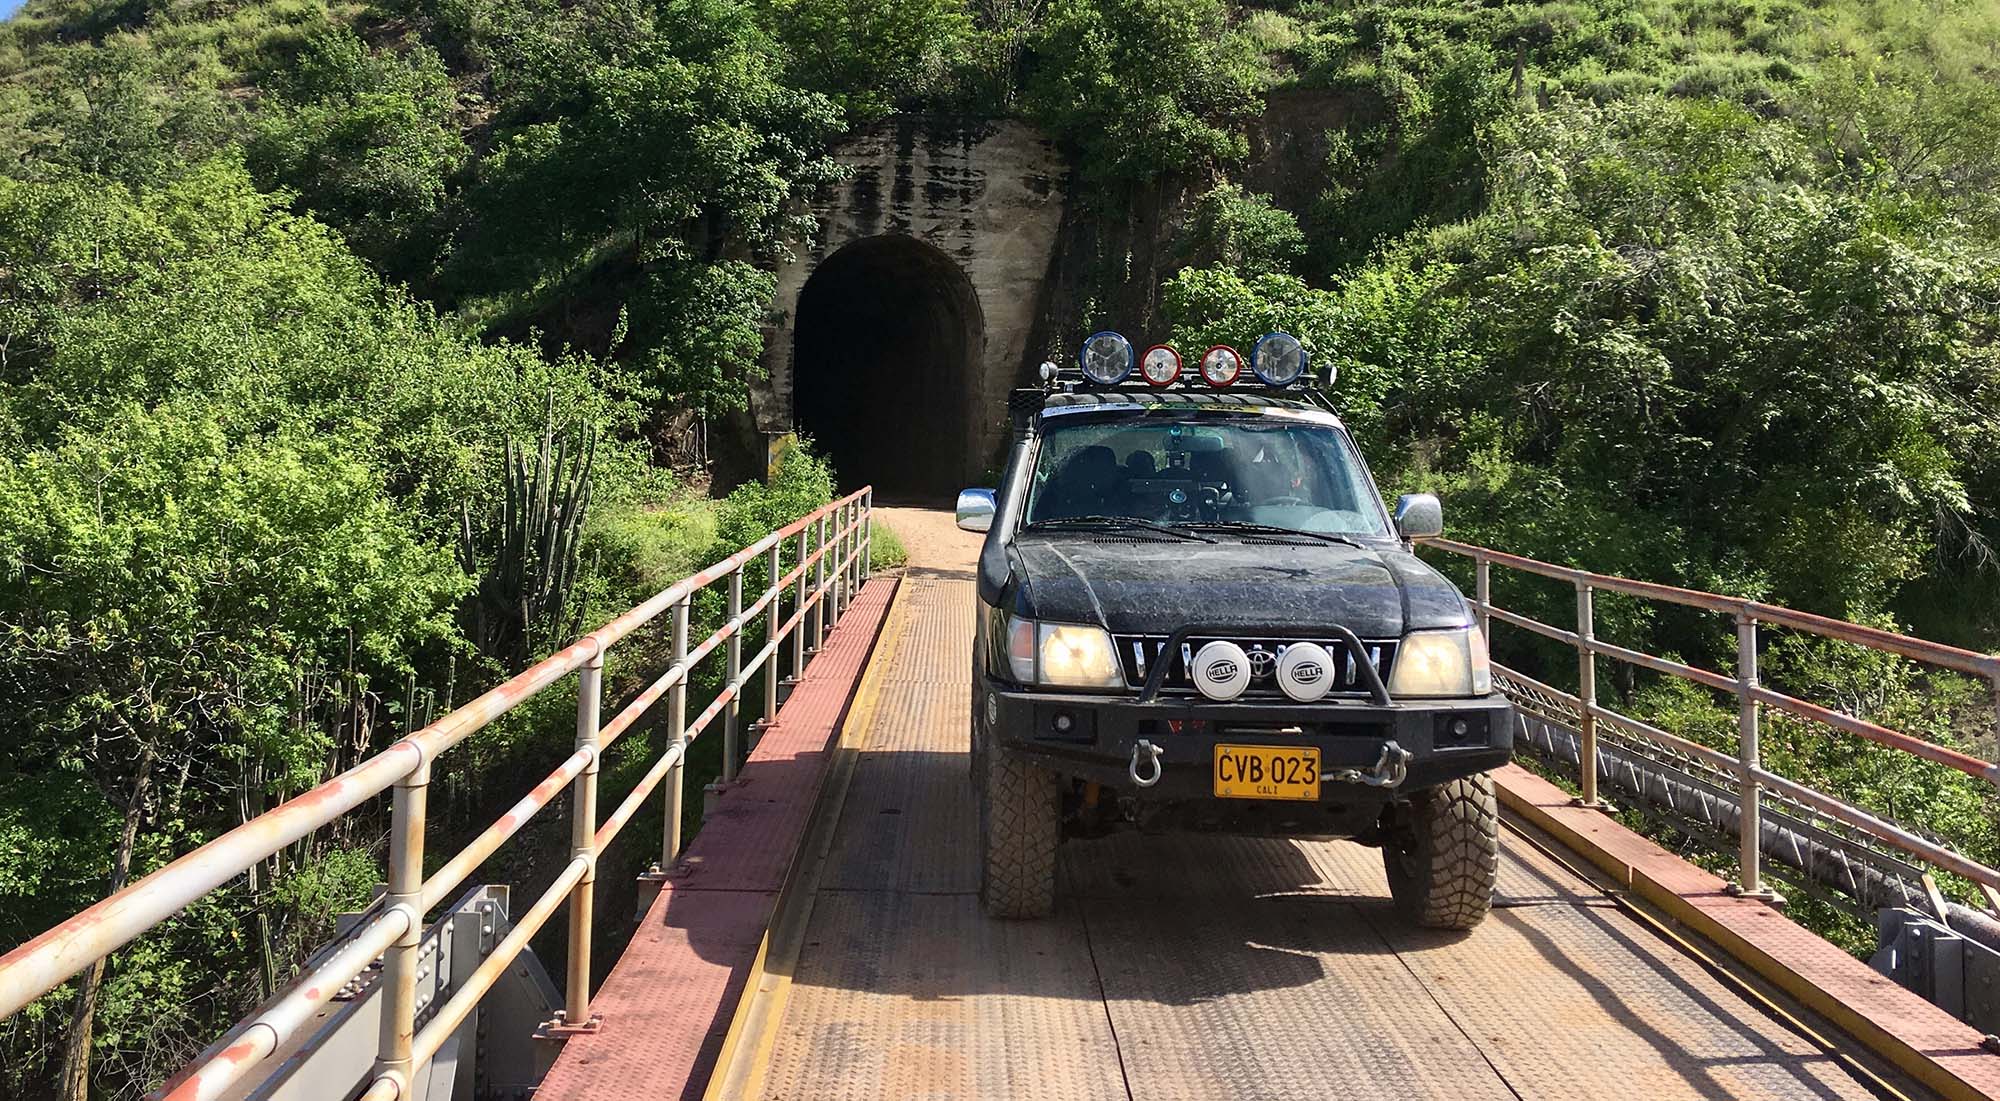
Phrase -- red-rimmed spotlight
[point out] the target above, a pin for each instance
(1220, 365)
(1160, 366)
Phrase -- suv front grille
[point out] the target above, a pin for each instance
(1138, 653)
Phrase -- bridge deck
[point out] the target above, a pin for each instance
(1207, 967)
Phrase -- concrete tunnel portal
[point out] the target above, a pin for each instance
(887, 338)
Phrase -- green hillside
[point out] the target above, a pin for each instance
(1701, 291)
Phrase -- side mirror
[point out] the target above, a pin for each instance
(975, 509)
(1419, 516)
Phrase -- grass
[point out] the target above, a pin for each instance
(887, 552)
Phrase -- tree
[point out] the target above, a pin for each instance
(366, 140)
(1145, 87)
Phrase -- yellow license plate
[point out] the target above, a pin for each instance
(1266, 772)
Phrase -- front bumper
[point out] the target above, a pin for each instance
(1094, 737)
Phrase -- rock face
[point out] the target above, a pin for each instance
(901, 325)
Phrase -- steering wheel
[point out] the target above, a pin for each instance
(1289, 499)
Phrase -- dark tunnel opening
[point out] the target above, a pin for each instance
(885, 338)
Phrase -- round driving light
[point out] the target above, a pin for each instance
(1221, 364)
(1221, 670)
(1160, 365)
(1106, 358)
(1305, 671)
(1278, 358)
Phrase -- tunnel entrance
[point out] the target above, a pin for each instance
(885, 339)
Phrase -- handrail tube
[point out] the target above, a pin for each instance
(632, 712)
(1566, 637)
(709, 713)
(636, 798)
(49, 960)
(1665, 665)
(1750, 694)
(1912, 843)
(447, 878)
(247, 1047)
(1881, 735)
(1935, 653)
(1755, 612)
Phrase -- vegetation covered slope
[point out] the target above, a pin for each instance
(1703, 291)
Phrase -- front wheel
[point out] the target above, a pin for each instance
(1019, 827)
(1443, 854)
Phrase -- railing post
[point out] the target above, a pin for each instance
(799, 606)
(836, 569)
(818, 576)
(677, 696)
(1482, 590)
(1750, 819)
(1586, 694)
(398, 1031)
(583, 842)
(771, 618)
(731, 736)
(842, 584)
(868, 533)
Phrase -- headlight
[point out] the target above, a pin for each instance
(1442, 663)
(1062, 655)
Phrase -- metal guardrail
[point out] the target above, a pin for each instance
(1747, 766)
(832, 555)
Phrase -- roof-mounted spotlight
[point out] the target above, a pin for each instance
(1160, 366)
(1220, 365)
(1106, 358)
(1278, 359)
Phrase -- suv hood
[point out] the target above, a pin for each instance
(1131, 587)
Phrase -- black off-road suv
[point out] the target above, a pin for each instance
(1196, 613)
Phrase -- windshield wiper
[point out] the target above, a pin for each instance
(1113, 522)
(1273, 529)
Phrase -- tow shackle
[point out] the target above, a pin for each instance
(1145, 756)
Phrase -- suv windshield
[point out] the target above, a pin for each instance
(1262, 470)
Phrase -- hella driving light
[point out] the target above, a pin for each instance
(1160, 366)
(1106, 358)
(1278, 359)
(1441, 663)
(1221, 670)
(1305, 671)
(1221, 364)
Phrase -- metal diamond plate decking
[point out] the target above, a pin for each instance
(1213, 967)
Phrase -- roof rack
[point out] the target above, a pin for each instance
(1071, 381)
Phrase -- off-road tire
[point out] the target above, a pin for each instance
(1019, 827)
(1443, 854)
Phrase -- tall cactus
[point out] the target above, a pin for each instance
(526, 595)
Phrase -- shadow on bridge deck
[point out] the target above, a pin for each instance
(1206, 966)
